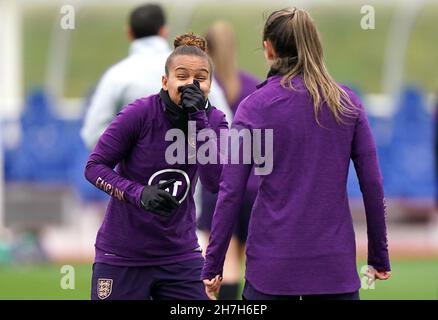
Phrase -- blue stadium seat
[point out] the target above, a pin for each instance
(51, 150)
(412, 157)
(45, 153)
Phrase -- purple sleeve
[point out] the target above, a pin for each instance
(231, 191)
(364, 156)
(113, 146)
(209, 173)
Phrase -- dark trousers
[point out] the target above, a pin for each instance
(250, 293)
(177, 281)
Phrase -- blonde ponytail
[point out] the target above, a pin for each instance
(297, 43)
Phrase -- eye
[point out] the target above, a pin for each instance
(201, 78)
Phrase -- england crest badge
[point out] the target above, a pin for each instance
(104, 288)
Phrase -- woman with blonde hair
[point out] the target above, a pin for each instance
(301, 241)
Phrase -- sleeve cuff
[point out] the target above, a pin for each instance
(385, 266)
(209, 274)
(137, 195)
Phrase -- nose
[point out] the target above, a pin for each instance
(190, 80)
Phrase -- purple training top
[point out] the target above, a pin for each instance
(301, 238)
(135, 142)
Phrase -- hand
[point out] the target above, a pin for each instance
(192, 97)
(373, 274)
(212, 287)
(154, 199)
(383, 275)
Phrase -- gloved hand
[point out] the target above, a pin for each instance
(154, 199)
(192, 97)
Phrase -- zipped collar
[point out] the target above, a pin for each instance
(147, 45)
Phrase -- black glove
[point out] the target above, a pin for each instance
(158, 201)
(192, 97)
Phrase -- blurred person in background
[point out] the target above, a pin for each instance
(236, 84)
(135, 76)
(147, 247)
(435, 215)
(301, 240)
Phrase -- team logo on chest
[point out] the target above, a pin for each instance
(180, 189)
(104, 288)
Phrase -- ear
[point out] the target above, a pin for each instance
(129, 33)
(164, 82)
(269, 50)
(163, 32)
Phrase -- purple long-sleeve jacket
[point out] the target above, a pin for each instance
(301, 238)
(135, 143)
